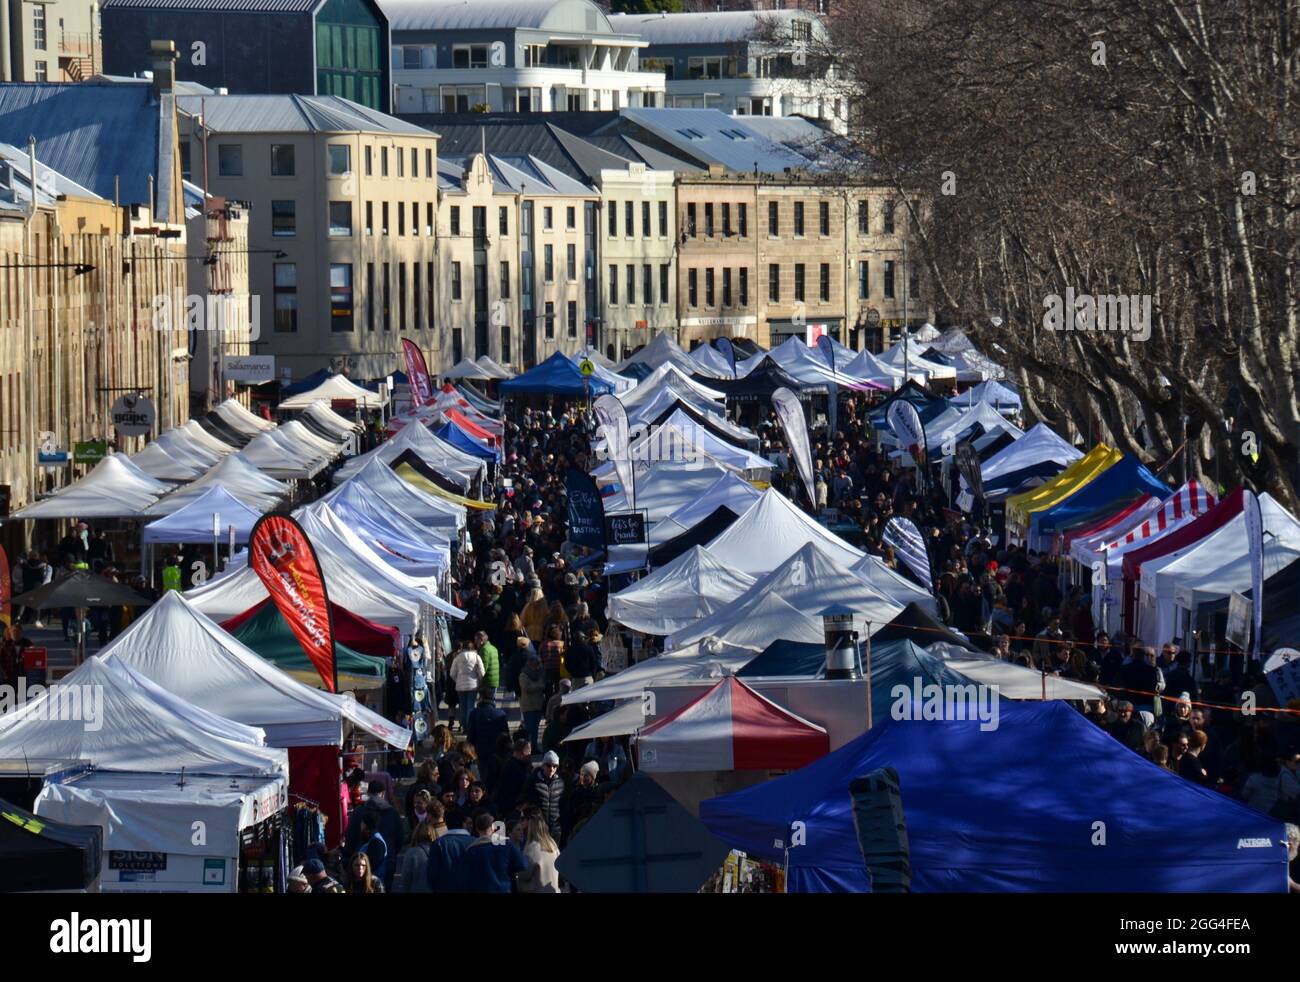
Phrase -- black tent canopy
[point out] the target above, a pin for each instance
(38, 854)
(759, 384)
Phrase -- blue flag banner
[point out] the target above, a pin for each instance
(726, 347)
(826, 346)
(586, 510)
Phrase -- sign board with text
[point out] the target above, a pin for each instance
(249, 369)
(133, 415)
(89, 451)
(625, 528)
(1237, 632)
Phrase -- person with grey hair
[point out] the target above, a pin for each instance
(1293, 851)
(1127, 728)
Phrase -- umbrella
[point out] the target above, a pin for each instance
(81, 589)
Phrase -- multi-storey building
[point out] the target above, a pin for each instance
(517, 56)
(51, 41)
(311, 47)
(343, 204)
(82, 279)
(479, 260)
(745, 63)
(638, 246)
(219, 301)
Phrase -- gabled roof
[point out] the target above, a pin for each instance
(464, 15)
(223, 6)
(710, 27)
(714, 137)
(94, 134)
(291, 113)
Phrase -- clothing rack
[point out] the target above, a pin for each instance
(304, 798)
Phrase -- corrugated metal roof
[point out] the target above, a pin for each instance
(468, 15)
(828, 150)
(709, 27)
(715, 137)
(51, 183)
(229, 6)
(293, 114)
(89, 132)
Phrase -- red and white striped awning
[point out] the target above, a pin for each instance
(1186, 503)
(731, 728)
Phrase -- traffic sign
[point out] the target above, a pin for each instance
(587, 367)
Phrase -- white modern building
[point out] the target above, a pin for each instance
(741, 62)
(514, 56)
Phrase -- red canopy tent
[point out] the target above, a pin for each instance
(350, 630)
(731, 728)
(1191, 533)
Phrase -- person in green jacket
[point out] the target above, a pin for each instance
(491, 663)
(171, 574)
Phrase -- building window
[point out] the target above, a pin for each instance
(415, 218)
(548, 218)
(370, 296)
(645, 219)
(340, 296)
(455, 281)
(401, 295)
(282, 163)
(42, 71)
(692, 288)
(401, 167)
(864, 279)
(663, 219)
(824, 283)
(230, 160)
(505, 281)
(773, 283)
(573, 318)
(383, 161)
(571, 217)
(370, 218)
(613, 284)
(690, 219)
(415, 294)
(864, 218)
(708, 219)
(428, 164)
(286, 298)
(401, 217)
(457, 345)
(726, 288)
(726, 219)
(503, 220)
(913, 280)
(647, 285)
(743, 219)
(571, 256)
(709, 298)
(455, 220)
(548, 263)
(798, 282)
(430, 279)
(629, 218)
(469, 56)
(798, 219)
(613, 219)
(370, 161)
(631, 284)
(889, 278)
(340, 218)
(383, 217)
(824, 217)
(415, 163)
(773, 218)
(550, 320)
(887, 215)
(428, 219)
(388, 306)
(665, 270)
(340, 159)
(744, 286)
(284, 219)
(38, 26)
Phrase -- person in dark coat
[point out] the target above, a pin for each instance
(546, 791)
(1127, 727)
(486, 724)
(489, 863)
(445, 856)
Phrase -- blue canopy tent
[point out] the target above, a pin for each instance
(1013, 482)
(399, 378)
(1015, 808)
(461, 440)
(927, 406)
(1115, 487)
(307, 384)
(557, 376)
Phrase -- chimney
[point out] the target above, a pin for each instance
(162, 58)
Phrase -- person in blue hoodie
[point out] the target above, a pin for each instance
(490, 862)
(445, 856)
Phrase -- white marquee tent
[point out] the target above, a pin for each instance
(376, 482)
(114, 488)
(773, 530)
(237, 475)
(692, 586)
(335, 387)
(729, 490)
